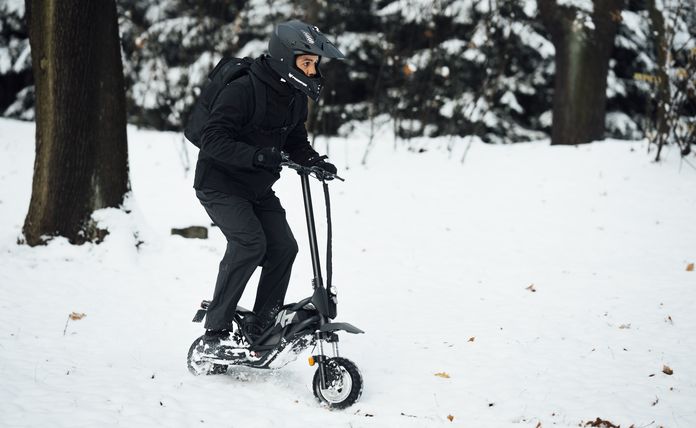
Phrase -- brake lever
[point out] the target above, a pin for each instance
(318, 173)
(323, 175)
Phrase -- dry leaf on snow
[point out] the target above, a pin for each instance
(667, 370)
(690, 267)
(76, 316)
(531, 288)
(450, 417)
(601, 423)
(472, 338)
(442, 374)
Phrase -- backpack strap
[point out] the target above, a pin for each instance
(243, 66)
(298, 107)
(259, 90)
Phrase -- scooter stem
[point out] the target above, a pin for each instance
(313, 247)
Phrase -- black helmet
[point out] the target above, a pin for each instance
(293, 38)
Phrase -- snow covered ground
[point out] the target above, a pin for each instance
(549, 283)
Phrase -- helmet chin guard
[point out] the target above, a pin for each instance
(293, 38)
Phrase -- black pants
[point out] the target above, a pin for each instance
(257, 235)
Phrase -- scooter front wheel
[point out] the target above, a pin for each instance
(199, 366)
(344, 383)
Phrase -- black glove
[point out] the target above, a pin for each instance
(268, 158)
(320, 163)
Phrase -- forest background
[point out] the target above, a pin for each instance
(479, 68)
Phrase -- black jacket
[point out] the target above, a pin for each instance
(225, 161)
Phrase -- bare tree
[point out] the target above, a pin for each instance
(584, 40)
(81, 148)
(674, 83)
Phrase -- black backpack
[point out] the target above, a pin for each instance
(227, 70)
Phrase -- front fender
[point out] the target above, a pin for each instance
(336, 326)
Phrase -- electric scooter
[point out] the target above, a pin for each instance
(297, 326)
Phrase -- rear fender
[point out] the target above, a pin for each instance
(200, 314)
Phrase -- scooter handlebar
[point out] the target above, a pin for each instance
(314, 171)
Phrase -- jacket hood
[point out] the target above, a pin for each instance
(263, 70)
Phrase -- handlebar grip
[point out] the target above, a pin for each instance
(319, 173)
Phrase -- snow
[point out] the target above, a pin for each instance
(423, 10)
(448, 108)
(163, 29)
(480, 36)
(583, 5)
(253, 49)
(637, 27)
(453, 46)
(533, 39)
(474, 55)
(622, 124)
(434, 258)
(420, 59)
(530, 9)
(18, 109)
(409, 10)
(199, 70)
(261, 13)
(459, 11)
(23, 61)
(151, 83)
(510, 100)
(546, 119)
(684, 40)
(160, 11)
(15, 7)
(615, 85)
(5, 60)
(350, 42)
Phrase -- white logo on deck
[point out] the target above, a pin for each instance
(285, 318)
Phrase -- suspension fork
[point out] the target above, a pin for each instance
(321, 359)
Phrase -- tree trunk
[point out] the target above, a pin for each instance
(81, 148)
(582, 64)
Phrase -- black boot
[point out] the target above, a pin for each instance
(215, 337)
(222, 345)
(252, 327)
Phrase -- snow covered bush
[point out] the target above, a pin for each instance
(16, 95)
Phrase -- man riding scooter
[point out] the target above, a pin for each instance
(238, 164)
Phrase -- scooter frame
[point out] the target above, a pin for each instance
(295, 335)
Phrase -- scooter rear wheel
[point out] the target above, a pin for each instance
(197, 365)
(344, 383)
